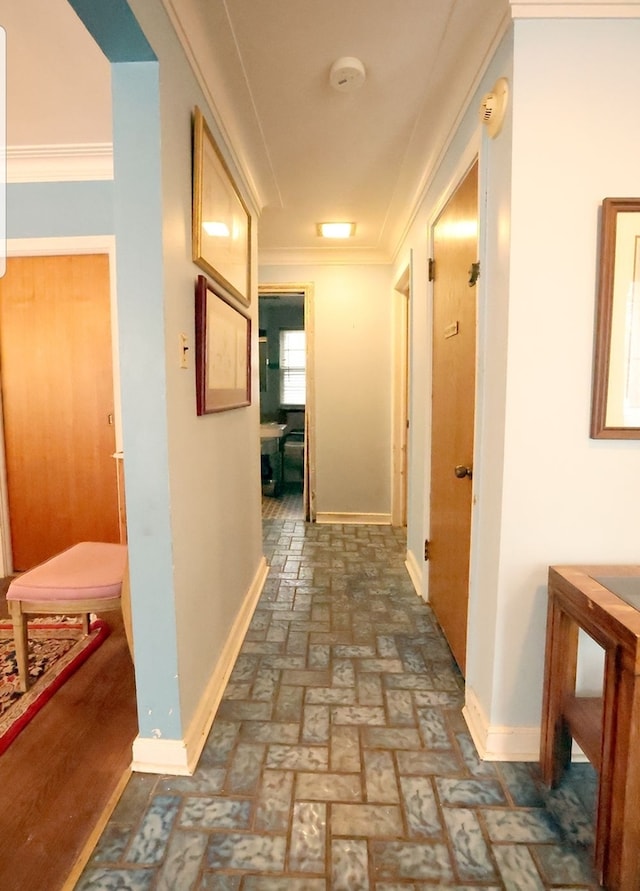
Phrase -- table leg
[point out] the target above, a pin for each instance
(561, 655)
(618, 830)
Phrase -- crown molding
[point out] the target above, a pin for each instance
(578, 9)
(448, 133)
(59, 163)
(178, 14)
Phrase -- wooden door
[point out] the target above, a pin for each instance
(453, 403)
(57, 394)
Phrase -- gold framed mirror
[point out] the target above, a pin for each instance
(615, 412)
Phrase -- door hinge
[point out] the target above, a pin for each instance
(432, 269)
(474, 274)
(426, 549)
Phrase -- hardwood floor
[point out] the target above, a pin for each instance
(60, 774)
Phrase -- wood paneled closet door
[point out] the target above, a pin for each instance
(57, 394)
(453, 410)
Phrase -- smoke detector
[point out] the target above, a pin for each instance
(347, 74)
(494, 106)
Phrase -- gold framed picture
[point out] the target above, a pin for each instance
(221, 222)
(615, 411)
(223, 352)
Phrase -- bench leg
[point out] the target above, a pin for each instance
(21, 643)
(125, 602)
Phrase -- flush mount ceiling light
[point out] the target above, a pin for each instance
(347, 74)
(336, 230)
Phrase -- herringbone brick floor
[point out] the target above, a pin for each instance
(339, 759)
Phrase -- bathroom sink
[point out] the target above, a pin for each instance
(272, 430)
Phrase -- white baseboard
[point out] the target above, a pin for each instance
(180, 756)
(160, 756)
(354, 519)
(499, 743)
(415, 573)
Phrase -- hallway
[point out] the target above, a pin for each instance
(339, 759)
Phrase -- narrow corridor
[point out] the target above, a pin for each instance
(339, 759)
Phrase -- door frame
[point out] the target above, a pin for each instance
(400, 395)
(471, 152)
(307, 290)
(50, 247)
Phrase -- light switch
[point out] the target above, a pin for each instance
(184, 350)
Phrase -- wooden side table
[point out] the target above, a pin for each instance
(606, 728)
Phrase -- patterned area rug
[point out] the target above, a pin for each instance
(57, 648)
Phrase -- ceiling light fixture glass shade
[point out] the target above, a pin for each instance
(336, 230)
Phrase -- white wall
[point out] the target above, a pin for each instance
(567, 498)
(214, 460)
(494, 175)
(352, 324)
(545, 492)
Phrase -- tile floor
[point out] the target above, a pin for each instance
(287, 506)
(339, 759)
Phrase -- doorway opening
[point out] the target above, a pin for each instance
(286, 401)
(400, 395)
(71, 284)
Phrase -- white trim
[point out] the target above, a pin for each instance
(50, 247)
(354, 519)
(401, 298)
(581, 9)
(167, 756)
(466, 160)
(432, 171)
(310, 408)
(180, 756)
(502, 743)
(499, 743)
(307, 290)
(415, 573)
(242, 169)
(59, 163)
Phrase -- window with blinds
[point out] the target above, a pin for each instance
(293, 367)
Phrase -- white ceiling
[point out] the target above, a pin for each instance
(313, 153)
(58, 81)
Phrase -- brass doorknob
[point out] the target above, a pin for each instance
(462, 471)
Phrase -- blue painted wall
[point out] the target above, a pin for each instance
(47, 210)
(141, 333)
(192, 483)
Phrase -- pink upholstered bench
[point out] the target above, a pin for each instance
(83, 579)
